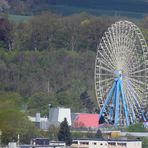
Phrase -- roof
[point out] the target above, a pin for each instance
(108, 140)
(42, 119)
(86, 120)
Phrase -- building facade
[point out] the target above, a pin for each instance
(102, 143)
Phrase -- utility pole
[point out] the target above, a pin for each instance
(0, 138)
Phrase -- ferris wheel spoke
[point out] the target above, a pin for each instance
(112, 47)
(138, 88)
(108, 47)
(111, 41)
(136, 102)
(137, 71)
(109, 75)
(130, 108)
(100, 86)
(113, 37)
(105, 56)
(106, 80)
(104, 89)
(135, 108)
(137, 67)
(101, 57)
(135, 91)
(106, 65)
(134, 97)
(106, 43)
(137, 85)
(125, 38)
(104, 68)
(136, 76)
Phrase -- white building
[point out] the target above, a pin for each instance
(40, 122)
(102, 143)
(57, 115)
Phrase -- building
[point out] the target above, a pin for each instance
(57, 115)
(102, 143)
(40, 122)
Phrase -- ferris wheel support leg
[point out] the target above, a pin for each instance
(143, 116)
(117, 103)
(112, 107)
(124, 104)
(107, 99)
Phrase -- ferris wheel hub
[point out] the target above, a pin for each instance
(118, 74)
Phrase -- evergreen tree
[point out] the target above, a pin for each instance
(64, 132)
(87, 102)
(98, 134)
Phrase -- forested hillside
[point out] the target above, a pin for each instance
(50, 59)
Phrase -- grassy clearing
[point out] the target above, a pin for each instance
(18, 18)
(68, 10)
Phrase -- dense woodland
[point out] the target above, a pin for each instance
(47, 59)
(50, 59)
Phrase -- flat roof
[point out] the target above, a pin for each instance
(100, 139)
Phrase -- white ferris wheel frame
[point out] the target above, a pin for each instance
(123, 48)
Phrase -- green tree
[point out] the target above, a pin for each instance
(64, 132)
(53, 132)
(39, 103)
(44, 31)
(14, 122)
(6, 33)
(87, 102)
(137, 127)
(98, 134)
(145, 143)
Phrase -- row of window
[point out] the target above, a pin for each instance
(119, 144)
(94, 143)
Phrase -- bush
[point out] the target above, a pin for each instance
(138, 127)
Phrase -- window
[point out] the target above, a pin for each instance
(84, 143)
(75, 142)
(111, 143)
(121, 144)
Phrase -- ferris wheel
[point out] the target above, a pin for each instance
(121, 74)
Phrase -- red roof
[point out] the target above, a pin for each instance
(86, 120)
